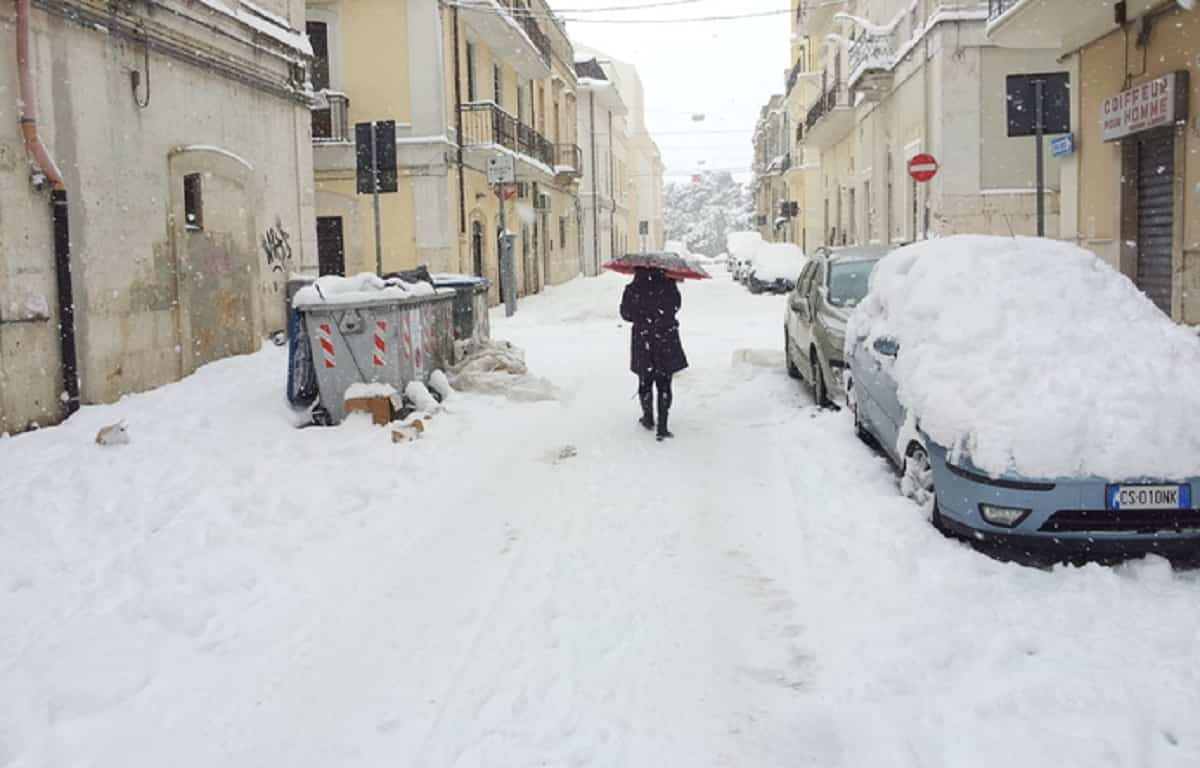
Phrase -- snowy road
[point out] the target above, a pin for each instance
(227, 590)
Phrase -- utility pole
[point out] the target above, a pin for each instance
(375, 201)
(1039, 130)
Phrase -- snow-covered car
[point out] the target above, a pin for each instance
(814, 330)
(742, 246)
(775, 269)
(1031, 396)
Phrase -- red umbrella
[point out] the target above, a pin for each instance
(675, 266)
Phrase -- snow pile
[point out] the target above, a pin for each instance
(498, 368)
(360, 390)
(421, 398)
(778, 261)
(743, 245)
(334, 289)
(1035, 356)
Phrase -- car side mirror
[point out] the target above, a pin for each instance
(886, 346)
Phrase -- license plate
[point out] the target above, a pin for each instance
(1149, 497)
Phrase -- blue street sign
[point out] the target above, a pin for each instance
(1063, 145)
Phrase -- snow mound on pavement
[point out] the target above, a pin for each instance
(778, 261)
(1035, 356)
(498, 368)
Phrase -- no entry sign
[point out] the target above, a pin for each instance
(922, 167)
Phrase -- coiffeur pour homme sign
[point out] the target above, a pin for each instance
(1153, 104)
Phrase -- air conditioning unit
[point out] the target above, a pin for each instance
(542, 203)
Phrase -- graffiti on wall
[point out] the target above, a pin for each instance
(275, 245)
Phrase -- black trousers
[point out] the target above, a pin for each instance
(647, 383)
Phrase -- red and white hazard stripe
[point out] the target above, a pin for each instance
(380, 343)
(325, 339)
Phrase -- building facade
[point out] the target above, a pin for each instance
(470, 83)
(880, 81)
(1135, 197)
(775, 216)
(177, 163)
(600, 112)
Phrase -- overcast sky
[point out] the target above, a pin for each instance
(724, 69)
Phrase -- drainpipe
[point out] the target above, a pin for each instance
(595, 186)
(58, 211)
(458, 127)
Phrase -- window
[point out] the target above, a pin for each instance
(318, 37)
(472, 95)
(521, 114)
(193, 203)
(850, 226)
(562, 232)
(867, 217)
(497, 85)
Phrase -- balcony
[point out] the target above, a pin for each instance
(486, 127)
(830, 117)
(512, 34)
(331, 118)
(871, 60)
(815, 16)
(1055, 24)
(568, 161)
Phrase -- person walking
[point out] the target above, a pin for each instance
(650, 303)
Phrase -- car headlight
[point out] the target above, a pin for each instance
(1005, 517)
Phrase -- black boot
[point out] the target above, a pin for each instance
(647, 419)
(663, 432)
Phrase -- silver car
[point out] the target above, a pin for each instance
(828, 289)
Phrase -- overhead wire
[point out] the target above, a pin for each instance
(480, 7)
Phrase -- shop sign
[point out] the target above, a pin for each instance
(1153, 104)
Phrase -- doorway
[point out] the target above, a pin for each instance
(331, 246)
(477, 248)
(1155, 215)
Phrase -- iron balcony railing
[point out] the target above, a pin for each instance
(540, 39)
(872, 50)
(486, 124)
(997, 8)
(825, 103)
(568, 158)
(331, 123)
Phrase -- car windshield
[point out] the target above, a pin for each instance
(848, 282)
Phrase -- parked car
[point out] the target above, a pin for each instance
(830, 286)
(742, 246)
(775, 269)
(1032, 398)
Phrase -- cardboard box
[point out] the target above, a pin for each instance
(380, 408)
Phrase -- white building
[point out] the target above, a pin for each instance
(600, 108)
(182, 133)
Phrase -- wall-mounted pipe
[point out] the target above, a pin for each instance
(58, 211)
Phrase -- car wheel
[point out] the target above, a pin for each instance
(792, 370)
(916, 481)
(820, 388)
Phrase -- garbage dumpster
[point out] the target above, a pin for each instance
(470, 305)
(381, 337)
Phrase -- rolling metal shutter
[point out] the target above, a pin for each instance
(1156, 216)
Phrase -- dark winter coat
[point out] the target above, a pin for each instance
(650, 303)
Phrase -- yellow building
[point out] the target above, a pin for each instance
(463, 84)
(876, 82)
(1136, 122)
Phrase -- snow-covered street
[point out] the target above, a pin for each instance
(227, 590)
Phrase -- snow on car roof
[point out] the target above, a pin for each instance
(1036, 357)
